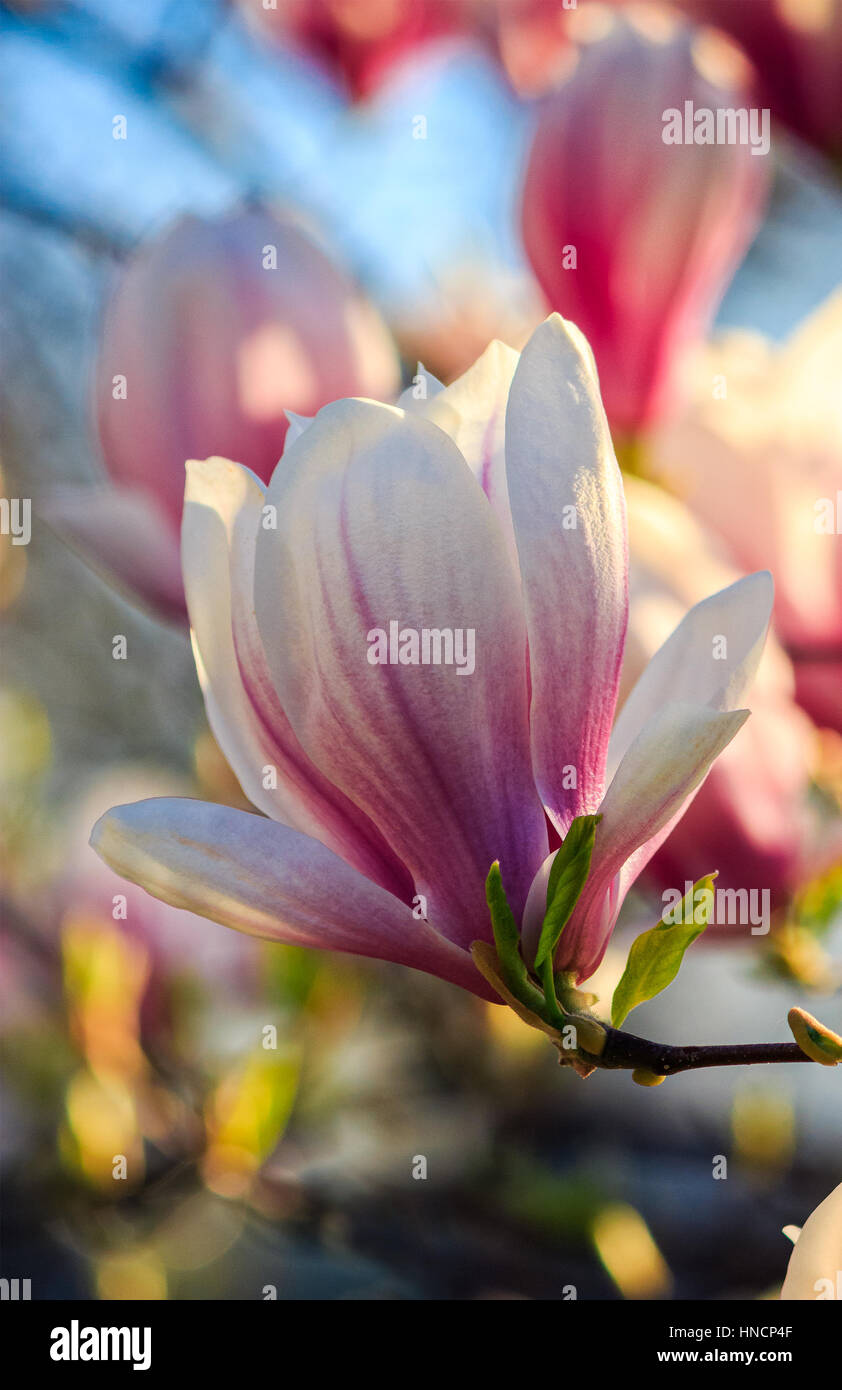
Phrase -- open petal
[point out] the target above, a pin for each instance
(296, 426)
(267, 880)
(664, 765)
(126, 537)
(383, 534)
(424, 385)
(679, 716)
(472, 410)
(814, 1265)
(568, 512)
(223, 510)
(710, 658)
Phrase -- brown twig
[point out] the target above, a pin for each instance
(625, 1051)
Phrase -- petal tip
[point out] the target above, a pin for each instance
(102, 833)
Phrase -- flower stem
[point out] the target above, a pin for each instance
(625, 1051)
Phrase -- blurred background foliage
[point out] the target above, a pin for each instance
(270, 1106)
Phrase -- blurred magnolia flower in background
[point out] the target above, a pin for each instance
(54, 884)
(87, 890)
(448, 273)
(360, 39)
(144, 1025)
(757, 455)
(391, 790)
(796, 46)
(815, 1265)
(752, 819)
(632, 238)
(214, 331)
(534, 43)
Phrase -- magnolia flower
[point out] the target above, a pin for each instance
(752, 819)
(796, 46)
(815, 1265)
(536, 39)
(633, 237)
(360, 39)
(493, 507)
(214, 331)
(757, 455)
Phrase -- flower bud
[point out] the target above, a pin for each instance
(816, 1041)
(632, 236)
(216, 330)
(644, 1077)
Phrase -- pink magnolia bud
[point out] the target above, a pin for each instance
(632, 236)
(215, 330)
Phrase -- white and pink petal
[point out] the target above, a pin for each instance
(568, 513)
(661, 770)
(223, 512)
(380, 521)
(267, 880)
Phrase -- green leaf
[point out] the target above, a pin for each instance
(655, 957)
(567, 879)
(505, 928)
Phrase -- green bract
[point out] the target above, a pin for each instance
(567, 879)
